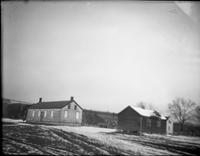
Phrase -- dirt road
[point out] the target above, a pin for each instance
(48, 140)
(23, 139)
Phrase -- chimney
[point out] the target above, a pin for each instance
(72, 98)
(40, 100)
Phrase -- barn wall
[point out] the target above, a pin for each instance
(153, 128)
(163, 126)
(145, 127)
(129, 120)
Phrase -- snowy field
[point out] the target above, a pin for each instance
(7, 120)
(22, 138)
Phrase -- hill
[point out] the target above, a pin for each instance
(99, 118)
(14, 108)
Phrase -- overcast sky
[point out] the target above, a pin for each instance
(108, 55)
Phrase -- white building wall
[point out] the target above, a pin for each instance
(169, 126)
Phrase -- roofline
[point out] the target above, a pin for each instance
(141, 114)
(70, 101)
(151, 115)
(44, 108)
(76, 103)
(137, 112)
(124, 109)
(132, 109)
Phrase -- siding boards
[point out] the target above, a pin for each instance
(48, 118)
(129, 120)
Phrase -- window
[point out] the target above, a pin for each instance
(52, 114)
(168, 128)
(158, 123)
(69, 106)
(65, 114)
(77, 115)
(33, 113)
(75, 107)
(169, 121)
(148, 122)
(45, 113)
(38, 113)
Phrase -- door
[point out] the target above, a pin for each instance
(169, 127)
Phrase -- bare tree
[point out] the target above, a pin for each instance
(144, 105)
(182, 110)
(141, 105)
(197, 113)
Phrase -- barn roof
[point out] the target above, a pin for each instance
(143, 112)
(51, 105)
(147, 112)
(163, 117)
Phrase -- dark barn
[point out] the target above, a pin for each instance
(135, 119)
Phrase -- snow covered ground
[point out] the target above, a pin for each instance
(105, 136)
(180, 138)
(8, 120)
(92, 140)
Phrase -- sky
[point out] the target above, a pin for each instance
(108, 55)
